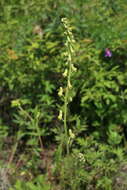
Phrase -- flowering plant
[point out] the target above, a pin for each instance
(108, 53)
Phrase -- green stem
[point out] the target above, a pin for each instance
(66, 107)
(65, 119)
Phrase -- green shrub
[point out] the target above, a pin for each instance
(36, 184)
(32, 61)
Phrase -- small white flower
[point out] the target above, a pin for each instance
(81, 157)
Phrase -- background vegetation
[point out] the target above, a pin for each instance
(61, 129)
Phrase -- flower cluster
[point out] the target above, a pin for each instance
(70, 42)
(81, 157)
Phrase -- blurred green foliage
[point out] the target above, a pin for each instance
(32, 63)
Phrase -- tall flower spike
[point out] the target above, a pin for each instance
(70, 44)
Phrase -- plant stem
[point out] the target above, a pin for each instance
(66, 107)
(65, 119)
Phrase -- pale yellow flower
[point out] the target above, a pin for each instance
(65, 73)
(73, 68)
(60, 115)
(69, 58)
(70, 99)
(69, 85)
(60, 92)
(72, 50)
(15, 103)
(72, 135)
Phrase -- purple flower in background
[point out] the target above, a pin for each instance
(108, 53)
